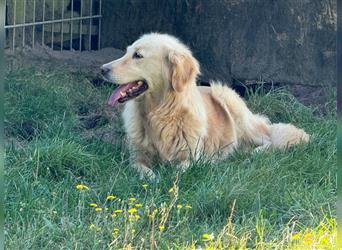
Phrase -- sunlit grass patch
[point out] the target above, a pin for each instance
(321, 237)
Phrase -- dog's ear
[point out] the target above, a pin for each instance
(184, 69)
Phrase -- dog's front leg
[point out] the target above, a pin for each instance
(140, 156)
(186, 153)
(140, 161)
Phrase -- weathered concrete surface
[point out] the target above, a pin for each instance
(281, 41)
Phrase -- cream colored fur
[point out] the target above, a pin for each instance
(175, 120)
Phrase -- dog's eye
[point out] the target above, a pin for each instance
(137, 55)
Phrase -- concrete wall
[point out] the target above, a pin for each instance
(286, 41)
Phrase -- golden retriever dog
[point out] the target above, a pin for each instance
(166, 115)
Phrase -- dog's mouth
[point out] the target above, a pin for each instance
(128, 91)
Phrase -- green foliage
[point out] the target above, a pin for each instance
(251, 200)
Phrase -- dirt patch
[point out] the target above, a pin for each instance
(310, 95)
(93, 121)
(73, 61)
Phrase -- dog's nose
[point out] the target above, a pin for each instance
(104, 70)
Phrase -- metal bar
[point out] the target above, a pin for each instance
(34, 19)
(96, 30)
(99, 37)
(62, 25)
(80, 43)
(53, 25)
(14, 17)
(72, 15)
(90, 22)
(50, 21)
(43, 22)
(67, 31)
(24, 22)
(5, 24)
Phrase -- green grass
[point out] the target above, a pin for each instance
(251, 200)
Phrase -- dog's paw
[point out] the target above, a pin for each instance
(183, 166)
(150, 175)
(261, 149)
(145, 172)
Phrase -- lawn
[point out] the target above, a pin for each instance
(69, 184)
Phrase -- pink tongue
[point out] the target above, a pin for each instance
(115, 96)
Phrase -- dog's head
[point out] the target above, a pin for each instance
(155, 64)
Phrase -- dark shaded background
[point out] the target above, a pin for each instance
(291, 42)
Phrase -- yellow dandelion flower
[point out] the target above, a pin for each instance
(207, 237)
(82, 187)
(307, 239)
(116, 232)
(187, 206)
(155, 211)
(118, 211)
(111, 197)
(138, 205)
(296, 236)
(98, 209)
(324, 240)
(132, 199)
(209, 248)
(145, 186)
(132, 210)
(137, 216)
(179, 206)
(93, 226)
(171, 190)
(161, 228)
(93, 204)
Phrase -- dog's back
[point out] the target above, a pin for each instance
(254, 128)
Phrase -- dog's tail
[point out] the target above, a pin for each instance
(284, 135)
(256, 128)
